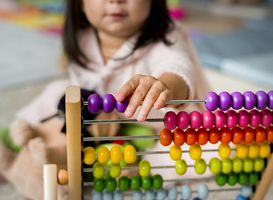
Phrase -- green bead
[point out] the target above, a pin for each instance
(144, 168)
(215, 166)
(99, 184)
(135, 182)
(248, 164)
(253, 178)
(157, 182)
(242, 178)
(226, 166)
(111, 184)
(221, 179)
(146, 183)
(123, 183)
(98, 170)
(181, 167)
(232, 178)
(237, 164)
(258, 164)
(200, 166)
(115, 170)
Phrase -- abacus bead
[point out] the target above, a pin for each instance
(258, 164)
(238, 100)
(226, 166)
(212, 101)
(123, 183)
(144, 168)
(166, 137)
(185, 192)
(103, 155)
(253, 150)
(240, 197)
(220, 119)
(244, 118)
(267, 117)
(183, 120)
(106, 195)
(200, 166)
(96, 195)
(111, 184)
(270, 99)
(225, 101)
(179, 137)
(202, 191)
(232, 119)
(129, 154)
(137, 194)
(172, 193)
(191, 136)
(195, 151)
(98, 170)
(99, 184)
(249, 135)
(242, 178)
(181, 167)
(202, 136)
(262, 100)
(214, 135)
(116, 154)
(269, 136)
(62, 177)
(157, 181)
(232, 178)
(135, 182)
(253, 178)
(248, 164)
(170, 120)
(224, 151)
(149, 194)
(255, 118)
(226, 135)
(195, 119)
(208, 119)
(215, 166)
(246, 190)
(89, 155)
(146, 183)
(175, 152)
(115, 170)
(221, 179)
(237, 136)
(250, 100)
(161, 194)
(108, 103)
(260, 134)
(94, 104)
(121, 106)
(118, 195)
(237, 164)
(264, 150)
(241, 150)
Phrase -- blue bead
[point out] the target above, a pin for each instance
(149, 194)
(246, 190)
(96, 195)
(137, 194)
(118, 195)
(186, 192)
(240, 197)
(203, 191)
(107, 195)
(172, 193)
(196, 198)
(161, 194)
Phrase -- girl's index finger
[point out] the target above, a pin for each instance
(127, 89)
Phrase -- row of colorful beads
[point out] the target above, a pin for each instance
(214, 135)
(236, 100)
(218, 119)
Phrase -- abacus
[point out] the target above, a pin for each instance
(250, 167)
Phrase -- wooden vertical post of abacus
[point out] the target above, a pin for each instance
(73, 133)
(50, 182)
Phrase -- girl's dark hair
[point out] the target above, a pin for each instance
(157, 26)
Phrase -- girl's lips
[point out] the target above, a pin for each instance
(117, 16)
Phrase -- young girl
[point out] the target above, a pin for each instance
(127, 47)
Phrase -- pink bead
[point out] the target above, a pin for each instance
(183, 120)
(196, 119)
(244, 118)
(220, 119)
(208, 119)
(170, 120)
(267, 117)
(232, 119)
(255, 118)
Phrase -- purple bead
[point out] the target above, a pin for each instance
(170, 120)
(212, 101)
(225, 101)
(267, 117)
(262, 100)
(244, 118)
(238, 100)
(270, 98)
(94, 103)
(196, 119)
(108, 103)
(183, 120)
(255, 118)
(121, 106)
(250, 100)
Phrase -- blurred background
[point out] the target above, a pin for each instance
(234, 40)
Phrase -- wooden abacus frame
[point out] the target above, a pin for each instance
(73, 128)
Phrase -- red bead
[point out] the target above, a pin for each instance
(255, 118)
(166, 137)
(214, 135)
(183, 120)
(232, 119)
(249, 135)
(179, 137)
(260, 134)
(170, 120)
(269, 136)
(191, 136)
(244, 118)
(267, 117)
(196, 119)
(208, 119)
(226, 135)
(238, 135)
(220, 119)
(203, 136)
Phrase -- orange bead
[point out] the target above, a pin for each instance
(166, 137)
(249, 135)
(62, 177)
(260, 134)
(238, 135)
(179, 137)
(203, 136)
(214, 135)
(269, 136)
(191, 136)
(226, 135)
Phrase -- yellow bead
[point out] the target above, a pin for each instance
(115, 170)
(264, 149)
(224, 151)
(129, 154)
(103, 155)
(195, 151)
(253, 150)
(89, 155)
(144, 168)
(242, 150)
(175, 152)
(116, 154)
(98, 170)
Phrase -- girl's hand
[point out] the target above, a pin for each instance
(140, 88)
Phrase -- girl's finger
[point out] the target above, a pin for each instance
(164, 96)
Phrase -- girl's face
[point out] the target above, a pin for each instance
(121, 18)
